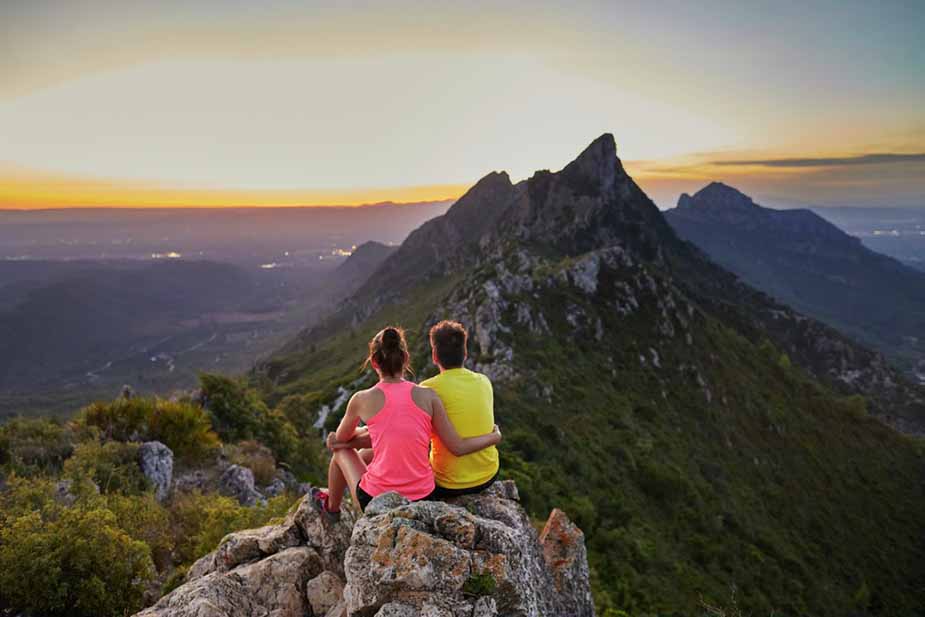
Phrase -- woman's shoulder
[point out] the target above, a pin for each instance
(369, 394)
(422, 392)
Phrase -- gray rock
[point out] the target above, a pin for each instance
(238, 482)
(156, 462)
(434, 556)
(567, 560)
(277, 487)
(394, 609)
(385, 502)
(324, 592)
(271, 586)
(63, 494)
(477, 557)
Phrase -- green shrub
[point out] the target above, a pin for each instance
(236, 410)
(238, 414)
(201, 521)
(301, 410)
(145, 520)
(181, 426)
(255, 456)
(121, 419)
(23, 496)
(184, 428)
(34, 446)
(78, 564)
(480, 584)
(112, 466)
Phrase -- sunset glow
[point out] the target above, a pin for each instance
(228, 104)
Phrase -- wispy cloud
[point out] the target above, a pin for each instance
(881, 158)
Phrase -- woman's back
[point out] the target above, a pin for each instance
(400, 432)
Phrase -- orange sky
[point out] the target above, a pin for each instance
(108, 103)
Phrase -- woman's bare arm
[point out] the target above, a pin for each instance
(447, 433)
(347, 428)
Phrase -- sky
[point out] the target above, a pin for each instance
(233, 102)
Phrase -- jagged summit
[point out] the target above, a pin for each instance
(597, 164)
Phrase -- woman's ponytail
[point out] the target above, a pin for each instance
(388, 351)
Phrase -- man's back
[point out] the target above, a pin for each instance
(469, 403)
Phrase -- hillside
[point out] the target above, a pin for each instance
(804, 261)
(685, 421)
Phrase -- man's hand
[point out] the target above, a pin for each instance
(497, 431)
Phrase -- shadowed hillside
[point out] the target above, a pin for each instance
(700, 433)
(804, 261)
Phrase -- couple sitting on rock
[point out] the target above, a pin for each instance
(430, 441)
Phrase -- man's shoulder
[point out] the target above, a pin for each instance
(430, 381)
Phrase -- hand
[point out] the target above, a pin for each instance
(332, 443)
(497, 431)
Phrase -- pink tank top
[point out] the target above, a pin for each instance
(400, 433)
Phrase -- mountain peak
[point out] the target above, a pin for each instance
(597, 165)
(717, 194)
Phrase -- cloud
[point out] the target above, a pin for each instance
(881, 158)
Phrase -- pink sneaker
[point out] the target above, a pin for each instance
(320, 502)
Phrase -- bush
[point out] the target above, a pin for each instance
(256, 457)
(145, 520)
(78, 564)
(121, 420)
(201, 521)
(112, 466)
(184, 428)
(302, 411)
(238, 414)
(31, 447)
(236, 410)
(181, 426)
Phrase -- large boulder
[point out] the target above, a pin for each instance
(156, 462)
(238, 482)
(476, 557)
(567, 560)
(271, 586)
(479, 555)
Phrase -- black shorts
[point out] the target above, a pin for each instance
(364, 497)
(444, 493)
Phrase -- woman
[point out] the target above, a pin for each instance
(400, 418)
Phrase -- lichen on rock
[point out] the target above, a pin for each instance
(475, 556)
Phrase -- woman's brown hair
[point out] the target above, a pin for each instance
(388, 351)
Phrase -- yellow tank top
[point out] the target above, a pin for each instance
(469, 403)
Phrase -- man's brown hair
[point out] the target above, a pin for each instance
(448, 340)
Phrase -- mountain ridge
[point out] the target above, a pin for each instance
(656, 399)
(805, 261)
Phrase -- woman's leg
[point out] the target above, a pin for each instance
(347, 467)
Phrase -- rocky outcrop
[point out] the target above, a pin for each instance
(478, 556)
(156, 462)
(238, 482)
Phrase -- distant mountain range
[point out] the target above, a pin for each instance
(245, 236)
(702, 434)
(73, 330)
(808, 263)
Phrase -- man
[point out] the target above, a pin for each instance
(469, 402)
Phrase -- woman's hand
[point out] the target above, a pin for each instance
(497, 431)
(333, 444)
